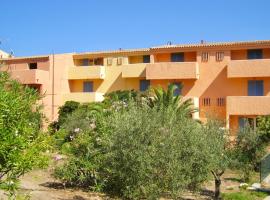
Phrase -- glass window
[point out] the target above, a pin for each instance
(245, 122)
(85, 62)
(88, 86)
(255, 88)
(178, 90)
(255, 54)
(32, 65)
(144, 85)
(177, 57)
(146, 59)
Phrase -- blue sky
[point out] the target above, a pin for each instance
(35, 27)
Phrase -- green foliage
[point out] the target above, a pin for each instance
(84, 165)
(165, 99)
(65, 110)
(154, 153)
(146, 156)
(120, 95)
(20, 122)
(248, 151)
(263, 127)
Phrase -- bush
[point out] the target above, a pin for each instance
(138, 152)
(248, 152)
(21, 140)
(154, 153)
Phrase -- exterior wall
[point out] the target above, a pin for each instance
(124, 70)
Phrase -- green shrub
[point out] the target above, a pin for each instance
(152, 153)
(248, 152)
(21, 140)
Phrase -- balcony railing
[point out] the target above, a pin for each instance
(33, 76)
(248, 105)
(249, 68)
(83, 97)
(87, 72)
(134, 70)
(172, 70)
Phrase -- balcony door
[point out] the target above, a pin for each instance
(255, 88)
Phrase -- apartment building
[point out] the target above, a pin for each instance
(228, 80)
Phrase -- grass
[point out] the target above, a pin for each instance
(244, 195)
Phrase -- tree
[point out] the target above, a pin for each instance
(263, 128)
(249, 149)
(21, 140)
(153, 153)
(167, 99)
(218, 152)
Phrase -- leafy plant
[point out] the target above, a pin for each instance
(153, 153)
(165, 99)
(21, 141)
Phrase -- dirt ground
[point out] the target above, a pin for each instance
(40, 185)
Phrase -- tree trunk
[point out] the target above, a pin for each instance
(217, 188)
(217, 176)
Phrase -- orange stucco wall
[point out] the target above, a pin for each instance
(212, 82)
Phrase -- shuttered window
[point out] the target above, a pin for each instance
(219, 56)
(205, 56)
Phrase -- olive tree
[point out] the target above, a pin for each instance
(20, 122)
(153, 153)
(219, 156)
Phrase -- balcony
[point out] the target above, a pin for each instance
(83, 97)
(249, 68)
(248, 105)
(134, 70)
(34, 76)
(172, 70)
(86, 72)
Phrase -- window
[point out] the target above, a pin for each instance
(255, 54)
(206, 101)
(144, 85)
(178, 90)
(32, 65)
(85, 62)
(244, 122)
(119, 61)
(255, 88)
(109, 61)
(221, 101)
(98, 61)
(177, 57)
(205, 56)
(88, 86)
(219, 56)
(146, 59)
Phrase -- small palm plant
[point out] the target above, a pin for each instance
(166, 99)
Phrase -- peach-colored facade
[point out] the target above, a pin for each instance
(216, 76)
